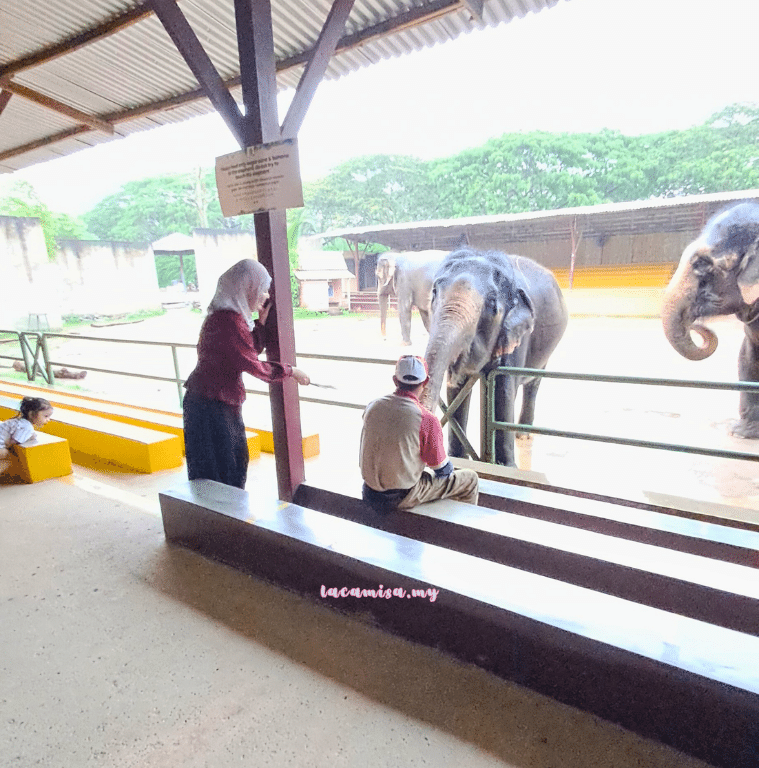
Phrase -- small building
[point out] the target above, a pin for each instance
(323, 279)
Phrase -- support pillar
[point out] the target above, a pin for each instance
(261, 125)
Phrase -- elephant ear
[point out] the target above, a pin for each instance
(519, 320)
(748, 274)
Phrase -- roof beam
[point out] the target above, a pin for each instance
(316, 67)
(258, 73)
(45, 141)
(77, 41)
(5, 97)
(412, 17)
(187, 43)
(57, 106)
(255, 42)
(475, 8)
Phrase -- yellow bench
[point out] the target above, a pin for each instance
(41, 458)
(161, 421)
(309, 442)
(95, 441)
(260, 438)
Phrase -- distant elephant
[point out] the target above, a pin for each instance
(407, 275)
(718, 274)
(490, 309)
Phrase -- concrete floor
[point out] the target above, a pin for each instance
(120, 650)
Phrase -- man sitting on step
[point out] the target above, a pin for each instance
(400, 439)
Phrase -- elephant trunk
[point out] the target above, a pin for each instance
(678, 317)
(451, 329)
(383, 302)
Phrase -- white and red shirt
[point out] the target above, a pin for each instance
(399, 439)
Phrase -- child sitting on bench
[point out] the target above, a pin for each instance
(33, 413)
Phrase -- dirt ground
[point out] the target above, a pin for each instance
(609, 345)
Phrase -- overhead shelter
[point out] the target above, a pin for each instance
(682, 214)
(323, 279)
(175, 244)
(74, 75)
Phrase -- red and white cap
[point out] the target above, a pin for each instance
(411, 369)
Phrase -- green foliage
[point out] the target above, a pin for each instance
(298, 225)
(301, 313)
(538, 171)
(341, 244)
(168, 271)
(23, 201)
(144, 211)
(70, 321)
(513, 173)
(368, 190)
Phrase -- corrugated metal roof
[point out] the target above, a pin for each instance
(136, 79)
(682, 214)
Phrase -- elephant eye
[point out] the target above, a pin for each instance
(702, 265)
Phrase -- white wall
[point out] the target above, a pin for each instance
(85, 277)
(29, 279)
(215, 252)
(106, 278)
(314, 294)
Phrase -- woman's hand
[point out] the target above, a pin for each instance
(263, 313)
(301, 376)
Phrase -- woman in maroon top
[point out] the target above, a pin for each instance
(230, 342)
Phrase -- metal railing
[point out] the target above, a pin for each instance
(492, 425)
(29, 355)
(37, 360)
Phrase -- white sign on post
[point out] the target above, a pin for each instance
(262, 178)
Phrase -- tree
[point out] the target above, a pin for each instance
(513, 173)
(167, 269)
(23, 201)
(378, 189)
(146, 210)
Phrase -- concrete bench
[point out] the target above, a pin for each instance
(638, 501)
(683, 682)
(717, 582)
(95, 441)
(41, 458)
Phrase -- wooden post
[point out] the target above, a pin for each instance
(575, 245)
(261, 125)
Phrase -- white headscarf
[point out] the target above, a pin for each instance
(240, 288)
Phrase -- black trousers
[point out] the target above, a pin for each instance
(215, 442)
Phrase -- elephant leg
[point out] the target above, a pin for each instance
(529, 395)
(505, 394)
(748, 409)
(455, 446)
(425, 313)
(404, 315)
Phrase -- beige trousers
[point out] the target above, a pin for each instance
(462, 485)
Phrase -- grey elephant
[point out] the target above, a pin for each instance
(489, 309)
(407, 275)
(718, 274)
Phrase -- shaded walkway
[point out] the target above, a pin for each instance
(123, 651)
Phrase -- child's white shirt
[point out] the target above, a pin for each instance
(20, 430)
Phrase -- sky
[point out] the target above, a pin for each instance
(637, 66)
